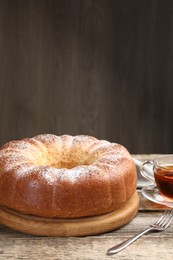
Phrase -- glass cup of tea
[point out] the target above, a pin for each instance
(161, 174)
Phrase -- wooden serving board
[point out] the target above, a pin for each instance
(70, 227)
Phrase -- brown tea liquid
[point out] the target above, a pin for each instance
(164, 180)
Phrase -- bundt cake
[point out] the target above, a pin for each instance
(65, 176)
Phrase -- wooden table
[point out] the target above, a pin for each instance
(15, 245)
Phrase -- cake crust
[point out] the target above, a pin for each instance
(65, 176)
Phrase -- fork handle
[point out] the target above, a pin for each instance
(121, 246)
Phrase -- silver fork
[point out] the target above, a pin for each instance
(159, 225)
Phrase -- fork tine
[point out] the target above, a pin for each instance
(168, 220)
(165, 220)
(162, 218)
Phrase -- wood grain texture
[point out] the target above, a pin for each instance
(102, 68)
(15, 245)
(71, 227)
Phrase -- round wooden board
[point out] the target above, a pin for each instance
(70, 227)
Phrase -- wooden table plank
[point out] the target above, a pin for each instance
(24, 246)
(93, 247)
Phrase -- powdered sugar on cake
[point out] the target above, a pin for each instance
(18, 154)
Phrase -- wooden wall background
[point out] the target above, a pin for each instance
(103, 68)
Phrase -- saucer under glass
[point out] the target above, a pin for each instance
(152, 193)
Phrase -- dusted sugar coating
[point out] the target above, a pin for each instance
(65, 176)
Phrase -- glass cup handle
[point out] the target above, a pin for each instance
(147, 174)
